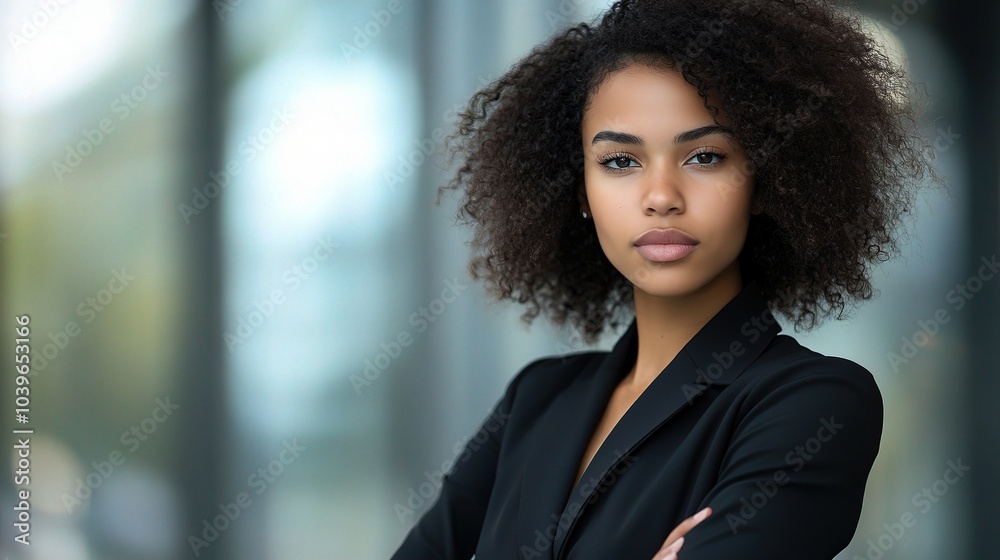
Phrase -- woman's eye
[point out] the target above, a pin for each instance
(705, 158)
(619, 162)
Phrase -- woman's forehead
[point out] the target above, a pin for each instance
(640, 98)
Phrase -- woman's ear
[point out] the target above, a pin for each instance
(581, 195)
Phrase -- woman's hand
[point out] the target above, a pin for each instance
(676, 537)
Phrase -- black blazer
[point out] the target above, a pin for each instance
(778, 439)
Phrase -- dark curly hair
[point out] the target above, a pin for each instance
(828, 121)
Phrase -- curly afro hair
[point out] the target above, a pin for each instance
(828, 121)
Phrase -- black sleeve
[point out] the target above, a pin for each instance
(792, 483)
(450, 529)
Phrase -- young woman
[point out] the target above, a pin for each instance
(686, 167)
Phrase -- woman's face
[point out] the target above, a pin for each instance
(654, 159)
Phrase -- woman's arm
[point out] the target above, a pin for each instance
(793, 480)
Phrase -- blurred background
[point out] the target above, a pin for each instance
(253, 335)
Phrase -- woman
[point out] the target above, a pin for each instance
(686, 167)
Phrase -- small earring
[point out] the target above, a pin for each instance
(584, 214)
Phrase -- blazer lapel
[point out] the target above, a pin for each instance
(661, 400)
(564, 431)
(566, 428)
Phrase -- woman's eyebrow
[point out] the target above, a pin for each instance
(688, 136)
(617, 137)
(699, 132)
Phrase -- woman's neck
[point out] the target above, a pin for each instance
(666, 324)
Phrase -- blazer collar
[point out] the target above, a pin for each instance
(728, 343)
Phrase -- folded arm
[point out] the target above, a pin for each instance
(792, 482)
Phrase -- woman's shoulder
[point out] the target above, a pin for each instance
(554, 372)
(786, 357)
(789, 372)
(538, 383)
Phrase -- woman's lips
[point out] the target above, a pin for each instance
(668, 236)
(664, 252)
